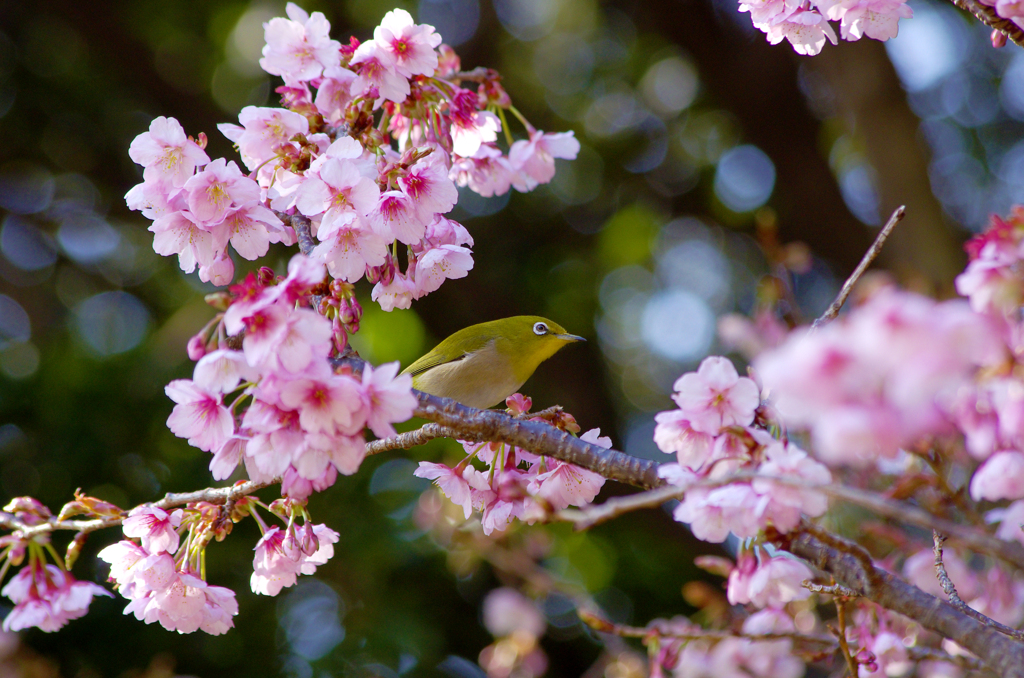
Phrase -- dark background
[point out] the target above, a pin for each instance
(697, 137)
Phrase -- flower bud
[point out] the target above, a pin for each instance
(265, 276)
(998, 38)
(196, 347)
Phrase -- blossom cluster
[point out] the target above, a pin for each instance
(514, 483)
(713, 436)
(880, 378)
(805, 23)
(160, 587)
(304, 420)
(368, 148)
(45, 596)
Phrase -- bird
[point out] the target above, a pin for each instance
(483, 364)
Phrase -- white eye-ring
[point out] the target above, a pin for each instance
(540, 329)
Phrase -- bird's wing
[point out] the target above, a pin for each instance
(456, 347)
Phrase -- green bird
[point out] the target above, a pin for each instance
(483, 364)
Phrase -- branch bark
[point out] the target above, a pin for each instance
(988, 16)
(999, 652)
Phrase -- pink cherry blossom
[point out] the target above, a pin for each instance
(176, 233)
(535, 158)
(280, 557)
(188, 604)
(156, 528)
(488, 172)
(263, 130)
(169, 157)
(772, 583)
(388, 397)
(412, 45)
(428, 186)
(715, 512)
(716, 396)
(350, 249)
(340, 193)
(220, 272)
(220, 188)
(292, 339)
(435, 265)
(1010, 520)
(325, 405)
(198, 416)
(790, 462)
(396, 217)
(334, 93)
(673, 434)
(806, 30)
(299, 48)
(377, 75)
(451, 483)
(47, 597)
(876, 19)
(469, 135)
(1000, 477)
(396, 294)
(221, 371)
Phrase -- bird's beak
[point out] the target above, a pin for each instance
(569, 337)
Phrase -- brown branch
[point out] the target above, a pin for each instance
(988, 16)
(403, 441)
(599, 623)
(213, 495)
(470, 423)
(869, 256)
(1009, 552)
(954, 598)
(1000, 653)
(303, 231)
(840, 631)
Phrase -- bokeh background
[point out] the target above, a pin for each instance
(703, 150)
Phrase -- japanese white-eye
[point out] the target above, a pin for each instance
(483, 364)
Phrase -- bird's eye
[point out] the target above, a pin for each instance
(540, 329)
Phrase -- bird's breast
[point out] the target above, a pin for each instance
(482, 379)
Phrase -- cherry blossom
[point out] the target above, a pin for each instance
(47, 597)
(168, 156)
(198, 416)
(716, 396)
(156, 528)
(411, 45)
(299, 48)
(535, 159)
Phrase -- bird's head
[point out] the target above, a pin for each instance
(529, 340)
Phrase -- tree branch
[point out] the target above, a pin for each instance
(869, 256)
(403, 441)
(213, 495)
(1002, 654)
(988, 16)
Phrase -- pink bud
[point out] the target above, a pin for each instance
(196, 347)
(998, 38)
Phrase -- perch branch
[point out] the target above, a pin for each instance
(988, 16)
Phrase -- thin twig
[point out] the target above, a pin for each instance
(988, 16)
(599, 623)
(837, 590)
(869, 256)
(844, 645)
(213, 495)
(954, 598)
